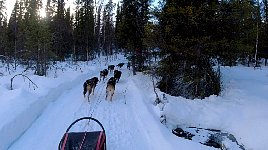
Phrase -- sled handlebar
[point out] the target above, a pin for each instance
(85, 118)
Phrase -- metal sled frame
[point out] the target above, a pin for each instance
(100, 134)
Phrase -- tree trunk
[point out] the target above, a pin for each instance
(257, 38)
(133, 63)
(74, 55)
(249, 59)
(87, 52)
(15, 40)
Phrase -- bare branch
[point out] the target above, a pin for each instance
(11, 86)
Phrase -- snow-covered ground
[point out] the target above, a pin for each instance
(36, 118)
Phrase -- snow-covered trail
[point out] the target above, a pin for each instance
(129, 119)
(37, 118)
(117, 118)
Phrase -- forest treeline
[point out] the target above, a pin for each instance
(191, 38)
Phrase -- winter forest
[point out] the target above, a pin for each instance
(187, 35)
(182, 45)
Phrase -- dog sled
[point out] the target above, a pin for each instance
(95, 140)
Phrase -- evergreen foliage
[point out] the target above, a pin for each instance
(84, 29)
(61, 29)
(198, 34)
(264, 33)
(191, 38)
(3, 28)
(131, 21)
(107, 31)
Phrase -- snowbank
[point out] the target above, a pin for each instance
(241, 109)
(22, 106)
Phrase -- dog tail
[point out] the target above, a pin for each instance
(85, 88)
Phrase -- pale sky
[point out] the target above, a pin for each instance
(10, 5)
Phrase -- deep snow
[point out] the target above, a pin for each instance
(37, 118)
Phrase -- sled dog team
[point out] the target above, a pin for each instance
(90, 84)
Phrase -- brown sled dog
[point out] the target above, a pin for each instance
(89, 86)
(110, 88)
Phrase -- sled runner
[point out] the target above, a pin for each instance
(95, 140)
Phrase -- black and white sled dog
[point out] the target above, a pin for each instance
(103, 74)
(128, 65)
(117, 75)
(89, 86)
(120, 65)
(111, 68)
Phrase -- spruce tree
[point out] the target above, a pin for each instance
(34, 35)
(97, 33)
(84, 29)
(265, 31)
(186, 30)
(108, 28)
(130, 29)
(61, 29)
(3, 28)
(15, 33)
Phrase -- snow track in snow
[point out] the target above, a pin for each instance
(116, 116)
(19, 115)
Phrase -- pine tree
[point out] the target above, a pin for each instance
(130, 29)
(3, 28)
(34, 35)
(44, 47)
(194, 33)
(4, 43)
(16, 32)
(97, 34)
(28, 35)
(61, 28)
(118, 18)
(187, 29)
(265, 31)
(84, 29)
(108, 28)
(89, 27)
